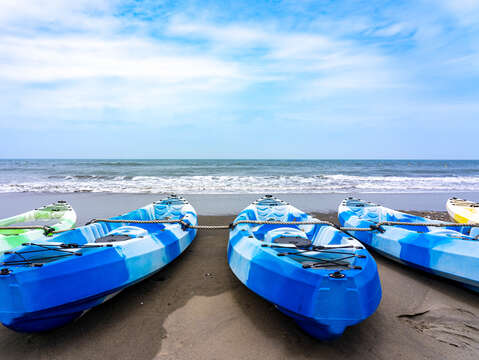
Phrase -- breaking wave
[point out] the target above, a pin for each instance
(338, 183)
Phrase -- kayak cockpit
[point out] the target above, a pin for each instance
(288, 235)
(123, 233)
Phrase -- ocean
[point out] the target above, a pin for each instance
(238, 176)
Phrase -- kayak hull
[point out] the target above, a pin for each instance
(322, 304)
(46, 297)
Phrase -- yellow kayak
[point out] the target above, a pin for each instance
(463, 211)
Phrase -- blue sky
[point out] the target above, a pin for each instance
(239, 79)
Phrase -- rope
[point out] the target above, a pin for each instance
(378, 226)
(207, 227)
(21, 227)
(169, 221)
(427, 224)
(273, 222)
(93, 221)
(166, 221)
(47, 230)
(65, 249)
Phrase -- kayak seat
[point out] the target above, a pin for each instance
(287, 235)
(113, 238)
(295, 240)
(122, 233)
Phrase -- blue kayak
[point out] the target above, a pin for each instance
(46, 285)
(316, 274)
(451, 252)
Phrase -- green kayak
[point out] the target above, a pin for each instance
(34, 225)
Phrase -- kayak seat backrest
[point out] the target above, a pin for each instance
(88, 233)
(113, 238)
(287, 235)
(295, 240)
(122, 233)
(95, 231)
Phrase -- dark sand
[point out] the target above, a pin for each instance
(196, 309)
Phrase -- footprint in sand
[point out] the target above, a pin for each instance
(455, 326)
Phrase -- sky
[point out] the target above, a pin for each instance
(239, 79)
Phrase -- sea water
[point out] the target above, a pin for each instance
(238, 176)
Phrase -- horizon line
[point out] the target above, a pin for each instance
(236, 159)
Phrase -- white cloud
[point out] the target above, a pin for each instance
(71, 14)
(400, 28)
(464, 12)
(460, 7)
(53, 59)
(87, 64)
(289, 54)
(278, 44)
(61, 55)
(234, 35)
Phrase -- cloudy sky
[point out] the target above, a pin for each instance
(239, 79)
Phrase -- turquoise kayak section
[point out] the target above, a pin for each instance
(316, 274)
(451, 252)
(46, 285)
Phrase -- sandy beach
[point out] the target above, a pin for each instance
(195, 308)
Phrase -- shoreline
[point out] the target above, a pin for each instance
(90, 205)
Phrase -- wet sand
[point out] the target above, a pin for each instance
(99, 205)
(195, 308)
